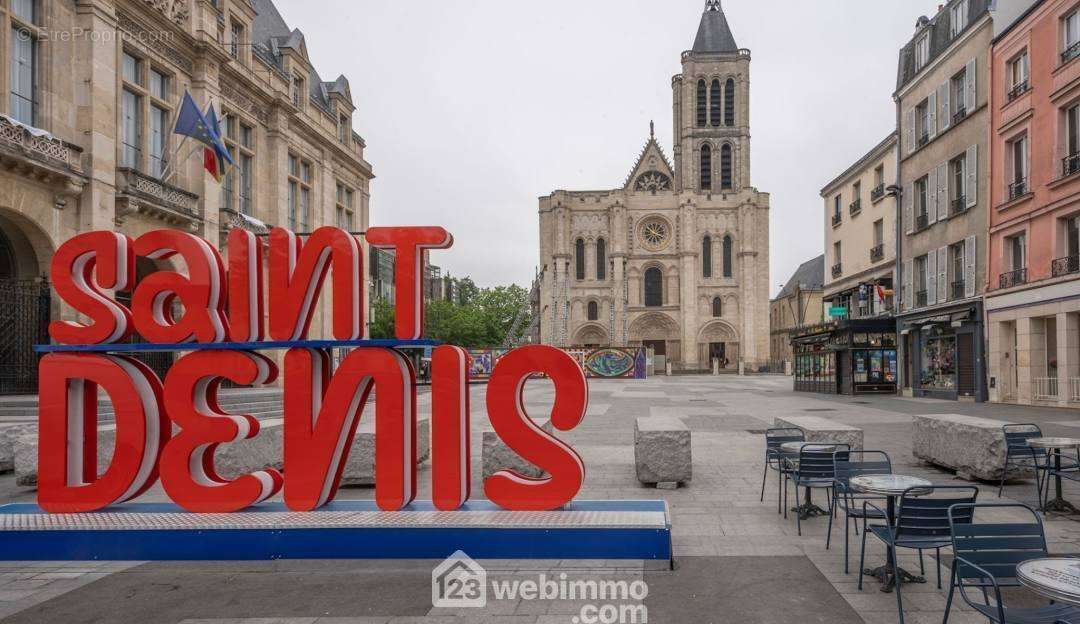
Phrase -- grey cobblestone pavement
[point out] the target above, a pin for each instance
(737, 559)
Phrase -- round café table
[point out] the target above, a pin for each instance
(1056, 578)
(890, 487)
(791, 452)
(1054, 447)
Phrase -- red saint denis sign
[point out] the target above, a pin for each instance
(169, 429)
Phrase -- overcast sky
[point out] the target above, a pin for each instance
(472, 109)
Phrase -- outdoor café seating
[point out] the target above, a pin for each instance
(850, 502)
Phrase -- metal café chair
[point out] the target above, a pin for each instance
(848, 464)
(1020, 455)
(775, 458)
(814, 471)
(923, 522)
(986, 555)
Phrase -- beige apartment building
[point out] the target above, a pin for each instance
(796, 306)
(860, 235)
(676, 259)
(91, 89)
(941, 98)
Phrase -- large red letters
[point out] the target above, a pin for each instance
(409, 245)
(112, 258)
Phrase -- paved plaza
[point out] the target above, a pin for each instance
(737, 560)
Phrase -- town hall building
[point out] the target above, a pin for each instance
(677, 258)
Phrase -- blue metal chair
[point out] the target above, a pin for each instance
(986, 555)
(848, 464)
(814, 471)
(776, 459)
(1020, 455)
(922, 523)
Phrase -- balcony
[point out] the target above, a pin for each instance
(1018, 189)
(1070, 165)
(1018, 90)
(1070, 53)
(855, 207)
(143, 194)
(1045, 389)
(1066, 266)
(877, 253)
(878, 192)
(958, 290)
(837, 219)
(920, 299)
(958, 206)
(923, 139)
(45, 156)
(959, 115)
(922, 222)
(837, 270)
(1013, 278)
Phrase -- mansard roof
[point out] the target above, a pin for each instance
(809, 276)
(714, 35)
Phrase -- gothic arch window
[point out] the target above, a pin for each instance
(593, 312)
(706, 257)
(717, 307)
(579, 258)
(725, 167)
(702, 104)
(729, 103)
(706, 168)
(727, 256)
(601, 259)
(654, 287)
(714, 103)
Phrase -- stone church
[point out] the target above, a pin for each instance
(677, 259)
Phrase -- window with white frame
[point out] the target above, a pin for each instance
(958, 93)
(921, 199)
(957, 254)
(1018, 166)
(1072, 130)
(298, 91)
(958, 18)
(879, 233)
(236, 191)
(1072, 238)
(922, 51)
(236, 39)
(1070, 27)
(1018, 75)
(346, 216)
(343, 129)
(23, 65)
(300, 180)
(1016, 251)
(159, 120)
(131, 103)
(958, 183)
(922, 123)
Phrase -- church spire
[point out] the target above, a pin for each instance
(714, 35)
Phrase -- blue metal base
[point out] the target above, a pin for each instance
(341, 530)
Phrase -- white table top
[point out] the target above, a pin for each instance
(795, 447)
(1055, 577)
(1054, 443)
(887, 485)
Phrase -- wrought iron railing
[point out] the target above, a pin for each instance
(1065, 266)
(877, 253)
(855, 206)
(924, 138)
(1013, 278)
(959, 115)
(1045, 388)
(836, 219)
(922, 222)
(1071, 52)
(958, 290)
(1018, 189)
(1018, 90)
(878, 192)
(837, 270)
(921, 299)
(1070, 165)
(959, 206)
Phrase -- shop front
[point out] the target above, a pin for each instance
(847, 357)
(943, 353)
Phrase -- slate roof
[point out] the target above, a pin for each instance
(270, 34)
(714, 34)
(940, 30)
(809, 276)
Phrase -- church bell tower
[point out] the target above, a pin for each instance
(712, 110)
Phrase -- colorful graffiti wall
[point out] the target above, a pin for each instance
(603, 363)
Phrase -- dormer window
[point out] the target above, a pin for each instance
(958, 18)
(343, 129)
(236, 38)
(922, 51)
(298, 91)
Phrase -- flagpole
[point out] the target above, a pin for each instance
(169, 169)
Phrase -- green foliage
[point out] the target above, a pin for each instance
(477, 318)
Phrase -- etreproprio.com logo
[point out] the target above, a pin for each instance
(460, 582)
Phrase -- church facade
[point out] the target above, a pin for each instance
(677, 259)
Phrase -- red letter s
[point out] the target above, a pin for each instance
(111, 257)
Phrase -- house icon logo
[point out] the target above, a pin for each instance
(459, 582)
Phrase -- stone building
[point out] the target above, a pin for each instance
(1033, 296)
(677, 258)
(91, 90)
(798, 305)
(941, 96)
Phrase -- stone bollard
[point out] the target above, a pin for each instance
(360, 465)
(8, 435)
(496, 456)
(662, 451)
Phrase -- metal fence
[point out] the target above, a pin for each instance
(24, 322)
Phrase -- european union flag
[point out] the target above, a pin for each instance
(219, 148)
(191, 123)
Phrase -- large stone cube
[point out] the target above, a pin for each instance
(970, 445)
(497, 456)
(662, 450)
(7, 444)
(360, 465)
(817, 429)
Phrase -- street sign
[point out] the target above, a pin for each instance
(837, 311)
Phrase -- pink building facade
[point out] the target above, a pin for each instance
(1033, 291)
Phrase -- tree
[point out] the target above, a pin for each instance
(477, 318)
